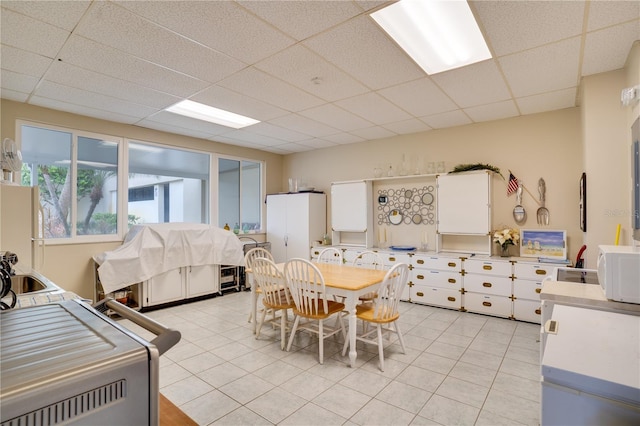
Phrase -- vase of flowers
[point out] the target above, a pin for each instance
(505, 238)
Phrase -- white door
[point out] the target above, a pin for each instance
(166, 287)
(202, 280)
(277, 226)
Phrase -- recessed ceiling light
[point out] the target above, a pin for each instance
(437, 35)
(213, 115)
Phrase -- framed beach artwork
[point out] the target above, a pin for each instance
(545, 243)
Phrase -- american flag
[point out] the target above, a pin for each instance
(513, 184)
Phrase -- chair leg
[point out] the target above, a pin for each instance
(264, 314)
(293, 332)
(283, 328)
(321, 340)
(395, 323)
(380, 348)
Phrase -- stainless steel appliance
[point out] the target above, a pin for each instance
(575, 275)
(66, 363)
(248, 245)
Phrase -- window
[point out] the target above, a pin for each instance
(240, 194)
(167, 184)
(66, 166)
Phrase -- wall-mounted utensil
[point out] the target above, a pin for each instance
(519, 213)
(542, 213)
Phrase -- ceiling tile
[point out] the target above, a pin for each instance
(608, 49)
(220, 25)
(336, 117)
(543, 69)
(248, 135)
(188, 123)
(229, 100)
(476, 84)
(106, 60)
(301, 19)
(374, 108)
(304, 125)
(119, 28)
(495, 111)
(13, 95)
(549, 101)
(62, 14)
(605, 13)
(28, 34)
(447, 119)
(90, 99)
(165, 127)
(301, 67)
(343, 138)
(268, 129)
(290, 148)
(317, 143)
(23, 62)
(72, 76)
(362, 49)
(371, 133)
(513, 26)
(407, 126)
(419, 97)
(232, 141)
(260, 85)
(18, 82)
(81, 110)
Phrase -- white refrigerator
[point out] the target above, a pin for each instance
(21, 224)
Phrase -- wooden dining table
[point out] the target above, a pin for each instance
(345, 281)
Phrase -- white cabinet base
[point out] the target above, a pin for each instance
(498, 306)
(446, 298)
(527, 310)
(164, 288)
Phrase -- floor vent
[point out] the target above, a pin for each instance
(68, 409)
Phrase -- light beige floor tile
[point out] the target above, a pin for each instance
(201, 362)
(366, 382)
(517, 386)
(462, 391)
(449, 412)
(242, 416)
(377, 412)
(513, 407)
(172, 373)
(278, 372)
(402, 395)
(421, 378)
(276, 405)
(520, 369)
(446, 350)
(307, 385)
(434, 362)
(246, 388)
(341, 400)
(313, 415)
(222, 374)
(186, 390)
(252, 361)
(473, 373)
(209, 407)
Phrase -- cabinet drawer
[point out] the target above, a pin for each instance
(315, 251)
(480, 283)
(494, 267)
(499, 306)
(391, 259)
(531, 271)
(527, 310)
(441, 279)
(527, 289)
(436, 296)
(437, 262)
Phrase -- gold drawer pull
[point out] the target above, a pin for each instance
(538, 312)
(420, 294)
(392, 259)
(538, 290)
(486, 284)
(420, 277)
(420, 261)
(486, 303)
(487, 267)
(452, 280)
(451, 299)
(541, 272)
(452, 264)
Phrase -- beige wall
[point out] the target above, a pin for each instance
(70, 265)
(544, 145)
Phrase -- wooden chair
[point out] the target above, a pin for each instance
(307, 288)
(370, 260)
(249, 257)
(275, 295)
(383, 312)
(330, 255)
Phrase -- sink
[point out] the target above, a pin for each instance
(31, 283)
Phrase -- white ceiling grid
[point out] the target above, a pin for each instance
(315, 73)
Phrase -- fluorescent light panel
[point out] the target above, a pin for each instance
(437, 35)
(213, 115)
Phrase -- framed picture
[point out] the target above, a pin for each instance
(550, 244)
(583, 202)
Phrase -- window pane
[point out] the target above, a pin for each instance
(251, 199)
(97, 191)
(167, 185)
(46, 156)
(228, 192)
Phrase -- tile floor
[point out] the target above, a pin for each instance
(459, 369)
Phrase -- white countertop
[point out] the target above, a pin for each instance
(588, 295)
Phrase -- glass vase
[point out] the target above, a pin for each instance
(504, 251)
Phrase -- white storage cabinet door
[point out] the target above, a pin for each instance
(202, 280)
(350, 206)
(277, 226)
(166, 287)
(463, 204)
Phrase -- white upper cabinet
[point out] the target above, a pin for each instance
(350, 206)
(464, 203)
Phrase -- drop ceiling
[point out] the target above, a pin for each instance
(315, 73)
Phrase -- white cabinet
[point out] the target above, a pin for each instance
(527, 284)
(294, 222)
(351, 214)
(487, 286)
(436, 280)
(181, 283)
